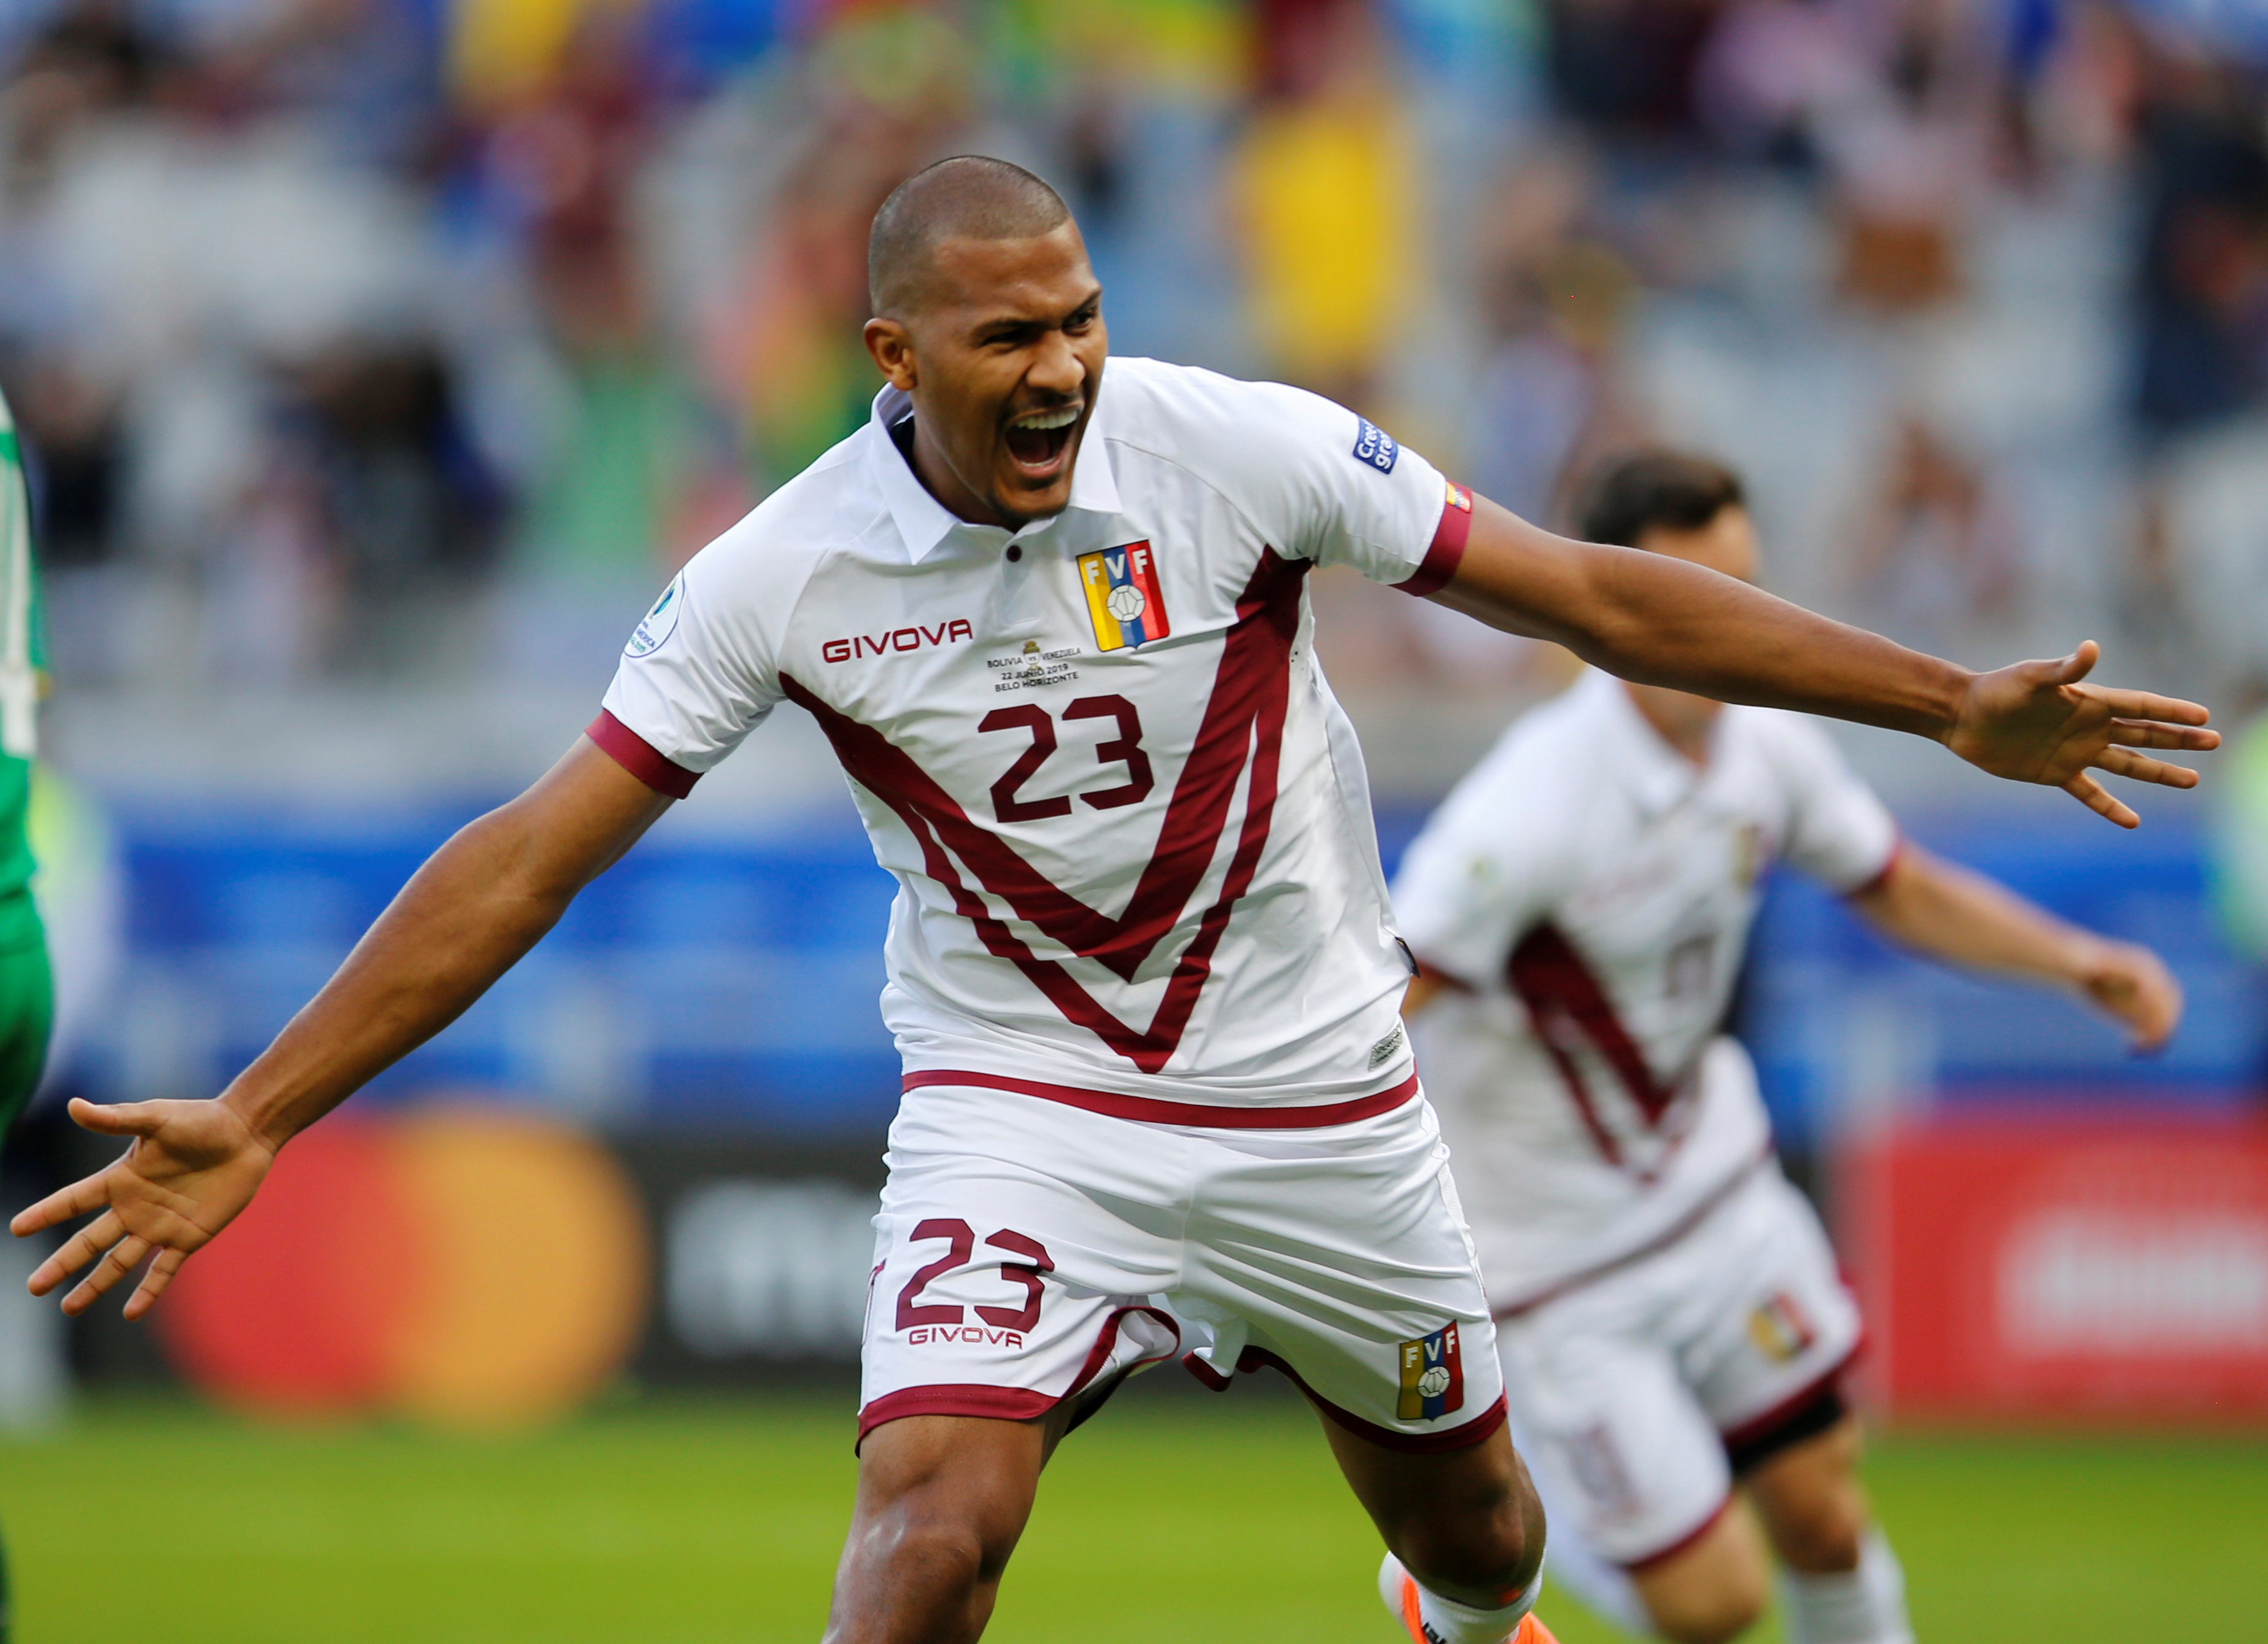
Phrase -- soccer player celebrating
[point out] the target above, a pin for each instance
(1668, 1310)
(1158, 1100)
(27, 994)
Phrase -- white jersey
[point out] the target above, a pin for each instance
(1591, 892)
(1129, 824)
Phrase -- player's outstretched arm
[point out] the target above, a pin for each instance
(1936, 908)
(1662, 620)
(465, 916)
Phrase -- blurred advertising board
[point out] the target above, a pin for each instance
(463, 1261)
(2038, 1267)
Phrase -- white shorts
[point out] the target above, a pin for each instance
(1029, 1252)
(1635, 1393)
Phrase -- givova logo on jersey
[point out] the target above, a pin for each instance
(1123, 596)
(1432, 1376)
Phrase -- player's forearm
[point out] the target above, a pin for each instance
(463, 919)
(1661, 620)
(1947, 912)
(479, 903)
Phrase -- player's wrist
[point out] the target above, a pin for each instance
(1950, 694)
(267, 1119)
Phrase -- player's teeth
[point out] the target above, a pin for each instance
(1063, 419)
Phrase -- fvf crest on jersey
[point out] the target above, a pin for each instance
(1123, 596)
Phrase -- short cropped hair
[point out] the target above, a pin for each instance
(969, 196)
(1626, 497)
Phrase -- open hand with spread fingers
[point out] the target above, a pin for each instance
(192, 1166)
(2036, 722)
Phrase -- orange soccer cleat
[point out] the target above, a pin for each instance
(1531, 1629)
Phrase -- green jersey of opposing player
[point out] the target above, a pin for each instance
(26, 989)
(27, 993)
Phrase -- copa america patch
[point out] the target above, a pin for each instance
(654, 630)
(1433, 1377)
(1374, 446)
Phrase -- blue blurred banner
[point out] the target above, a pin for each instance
(731, 984)
(699, 983)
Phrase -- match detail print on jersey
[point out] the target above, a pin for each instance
(1123, 596)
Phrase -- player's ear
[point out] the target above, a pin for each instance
(892, 347)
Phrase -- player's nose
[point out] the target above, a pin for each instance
(1057, 368)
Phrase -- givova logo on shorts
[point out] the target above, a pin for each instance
(1432, 1376)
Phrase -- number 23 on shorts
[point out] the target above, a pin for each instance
(924, 1321)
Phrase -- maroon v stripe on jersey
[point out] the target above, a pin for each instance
(1567, 1004)
(1242, 724)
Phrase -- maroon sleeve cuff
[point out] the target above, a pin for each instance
(634, 754)
(1449, 546)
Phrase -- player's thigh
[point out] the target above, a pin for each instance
(1465, 1520)
(1002, 1288)
(1776, 1325)
(1713, 1588)
(1624, 1456)
(1813, 1507)
(941, 1503)
(1342, 1258)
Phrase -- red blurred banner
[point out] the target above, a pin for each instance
(2064, 1268)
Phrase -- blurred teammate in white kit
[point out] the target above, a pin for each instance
(1669, 1312)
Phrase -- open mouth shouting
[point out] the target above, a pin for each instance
(1038, 441)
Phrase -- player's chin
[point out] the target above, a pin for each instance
(1036, 491)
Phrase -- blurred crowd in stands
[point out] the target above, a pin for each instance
(417, 340)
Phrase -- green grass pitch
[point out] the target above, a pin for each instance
(1176, 1516)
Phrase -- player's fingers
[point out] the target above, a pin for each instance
(2092, 794)
(2076, 667)
(122, 1259)
(2144, 734)
(2143, 704)
(77, 1250)
(121, 1118)
(79, 1198)
(154, 1282)
(2142, 768)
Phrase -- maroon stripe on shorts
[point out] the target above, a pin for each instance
(1151, 1111)
(955, 1398)
(641, 758)
(1016, 1403)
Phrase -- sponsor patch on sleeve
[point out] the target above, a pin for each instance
(1433, 1377)
(1374, 446)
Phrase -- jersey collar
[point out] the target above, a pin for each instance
(924, 522)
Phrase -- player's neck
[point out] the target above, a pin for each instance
(1686, 722)
(938, 479)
